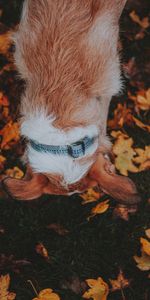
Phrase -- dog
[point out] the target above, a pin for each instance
(66, 51)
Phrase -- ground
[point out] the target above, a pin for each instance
(59, 242)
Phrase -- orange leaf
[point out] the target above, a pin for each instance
(98, 289)
(145, 246)
(40, 249)
(90, 196)
(120, 283)
(47, 294)
(10, 133)
(4, 286)
(15, 173)
(144, 23)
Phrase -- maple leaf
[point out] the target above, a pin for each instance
(142, 99)
(144, 23)
(4, 286)
(15, 173)
(100, 208)
(122, 115)
(90, 196)
(40, 249)
(120, 283)
(98, 289)
(47, 294)
(142, 158)
(125, 154)
(10, 133)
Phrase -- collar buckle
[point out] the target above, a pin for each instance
(77, 149)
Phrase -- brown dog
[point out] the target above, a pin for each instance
(66, 50)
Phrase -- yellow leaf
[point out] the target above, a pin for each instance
(98, 289)
(90, 196)
(140, 124)
(5, 40)
(100, 208)
(143, 262)
(120, 283)
(10, 133)
(142, 158)
(15, 173)
(144, 23)
(4, 286)
(47, 294)
(40, 249)
(124, 155)
(145, 246)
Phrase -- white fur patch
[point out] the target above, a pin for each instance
(39, 127)
(72, 170)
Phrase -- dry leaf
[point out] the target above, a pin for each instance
(123, 212)
(47, 294)
(120, 283)
(10, 133)
(140, 124)
(125, 154)
(4, 286)
(142, 99)
(5, 41)
(145, 246)
(143, 262)
(3, 100)
(100, 208)
(144, 23)
(2, 161)
(122, 115)
(40, 249)
(98, 289)
(90, 196)
(15, 173)
(143, 158)
(147, 232)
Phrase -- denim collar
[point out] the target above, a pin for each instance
(75, 150)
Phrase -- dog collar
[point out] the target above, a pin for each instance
(75, 150)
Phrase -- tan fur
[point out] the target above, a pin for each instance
(66, 50)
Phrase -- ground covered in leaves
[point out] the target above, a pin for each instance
(84, 246)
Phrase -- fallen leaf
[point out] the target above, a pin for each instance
(147, 232)
(98, 289)
(90, 196)
(3, 100)
(143, 262)
(142, 99)
(145, 246)
(142, 158)
(40, 249)
(100, 208)
(124, 152)
(122, 115)
(15, 173)
(140, 124)
(123, 211)
(4, 286)
(120, 283)
(10, 133)
(47, 294)
(144, 23)
(5, 41)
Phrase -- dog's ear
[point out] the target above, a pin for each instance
(119, 187)
(28, 188)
